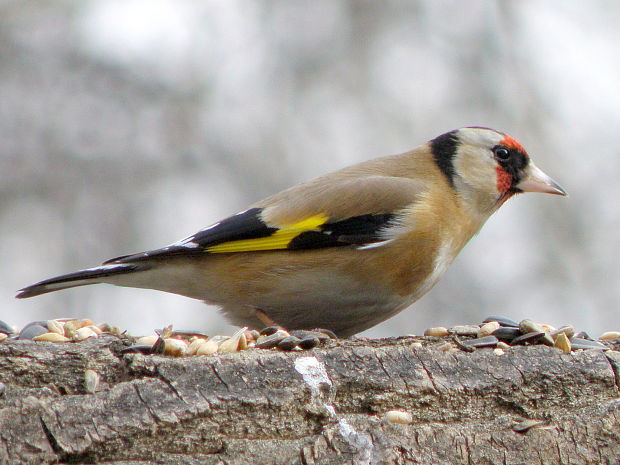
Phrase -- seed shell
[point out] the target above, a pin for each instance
(502, 320)
(529, 338)
(436, 331)
(610, 335)
(399, 417)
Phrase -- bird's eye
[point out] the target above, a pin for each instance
(501, 153)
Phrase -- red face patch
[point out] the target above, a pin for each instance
(504, 180)
(511, 143)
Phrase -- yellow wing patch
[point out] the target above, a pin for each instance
(277, 241)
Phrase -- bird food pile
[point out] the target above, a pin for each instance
(495, 332)
(501, 332)
(169, 341)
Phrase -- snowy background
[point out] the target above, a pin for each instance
(128, 124)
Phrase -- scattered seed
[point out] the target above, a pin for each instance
(563, 343)
(529, 326)
(309, 342)
(207, 348)
(234, 343)
(460, 345)
(610, 335)
(583, 335)
(579, 343)
(188, 333)
(546, 327)
(3, 337)
(529, 338)
(159, 346)
(55, 326)
(164, 333)
(502, 345)
(105, 327)
(498, 351)
(487, 341)
(31, 330)
(567, 330)
(288, 343)
(227, 345)
(269, 330)
(137, 349)
(147, 340)
(194, 345)
(398, 416)
(95, 329)
(488, 328)
(6, 328)
(174, 347)
(547, 340)
(116, 330)
(416, 344)
(268, 342)
(251, 335)
(464, 330)
(71, 327)
(83, 333)
(506, 333)
(525, 425)
(437, 331)
(51, 337)
(502, 320)
(91, 381)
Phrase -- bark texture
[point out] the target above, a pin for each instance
(324, 406)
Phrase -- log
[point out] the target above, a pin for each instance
(529, 405)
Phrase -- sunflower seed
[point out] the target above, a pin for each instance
(268, 342)
(530, 326)
(579, 343)
(502, 320)
(6, 328)
(288, 343)
(487, 341)
(506, 333)
(568, 331)
(269, 330)
(31, 330)
(309, 342)
(530, 338)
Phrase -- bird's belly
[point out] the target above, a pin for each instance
(321, 300)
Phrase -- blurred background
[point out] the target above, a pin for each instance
(126, 125)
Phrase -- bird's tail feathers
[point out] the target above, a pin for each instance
(79, 278)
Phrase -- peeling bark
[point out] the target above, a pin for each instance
(324, 406)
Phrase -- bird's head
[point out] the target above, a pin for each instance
(487, 167)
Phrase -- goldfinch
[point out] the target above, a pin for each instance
(344, 251)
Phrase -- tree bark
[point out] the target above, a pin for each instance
(324, 406)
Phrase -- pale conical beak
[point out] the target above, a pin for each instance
(537, 181)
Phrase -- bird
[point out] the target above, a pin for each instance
(344, 251)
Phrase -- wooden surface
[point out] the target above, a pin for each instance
(324, 406)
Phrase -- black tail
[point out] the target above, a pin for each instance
(79, 278)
